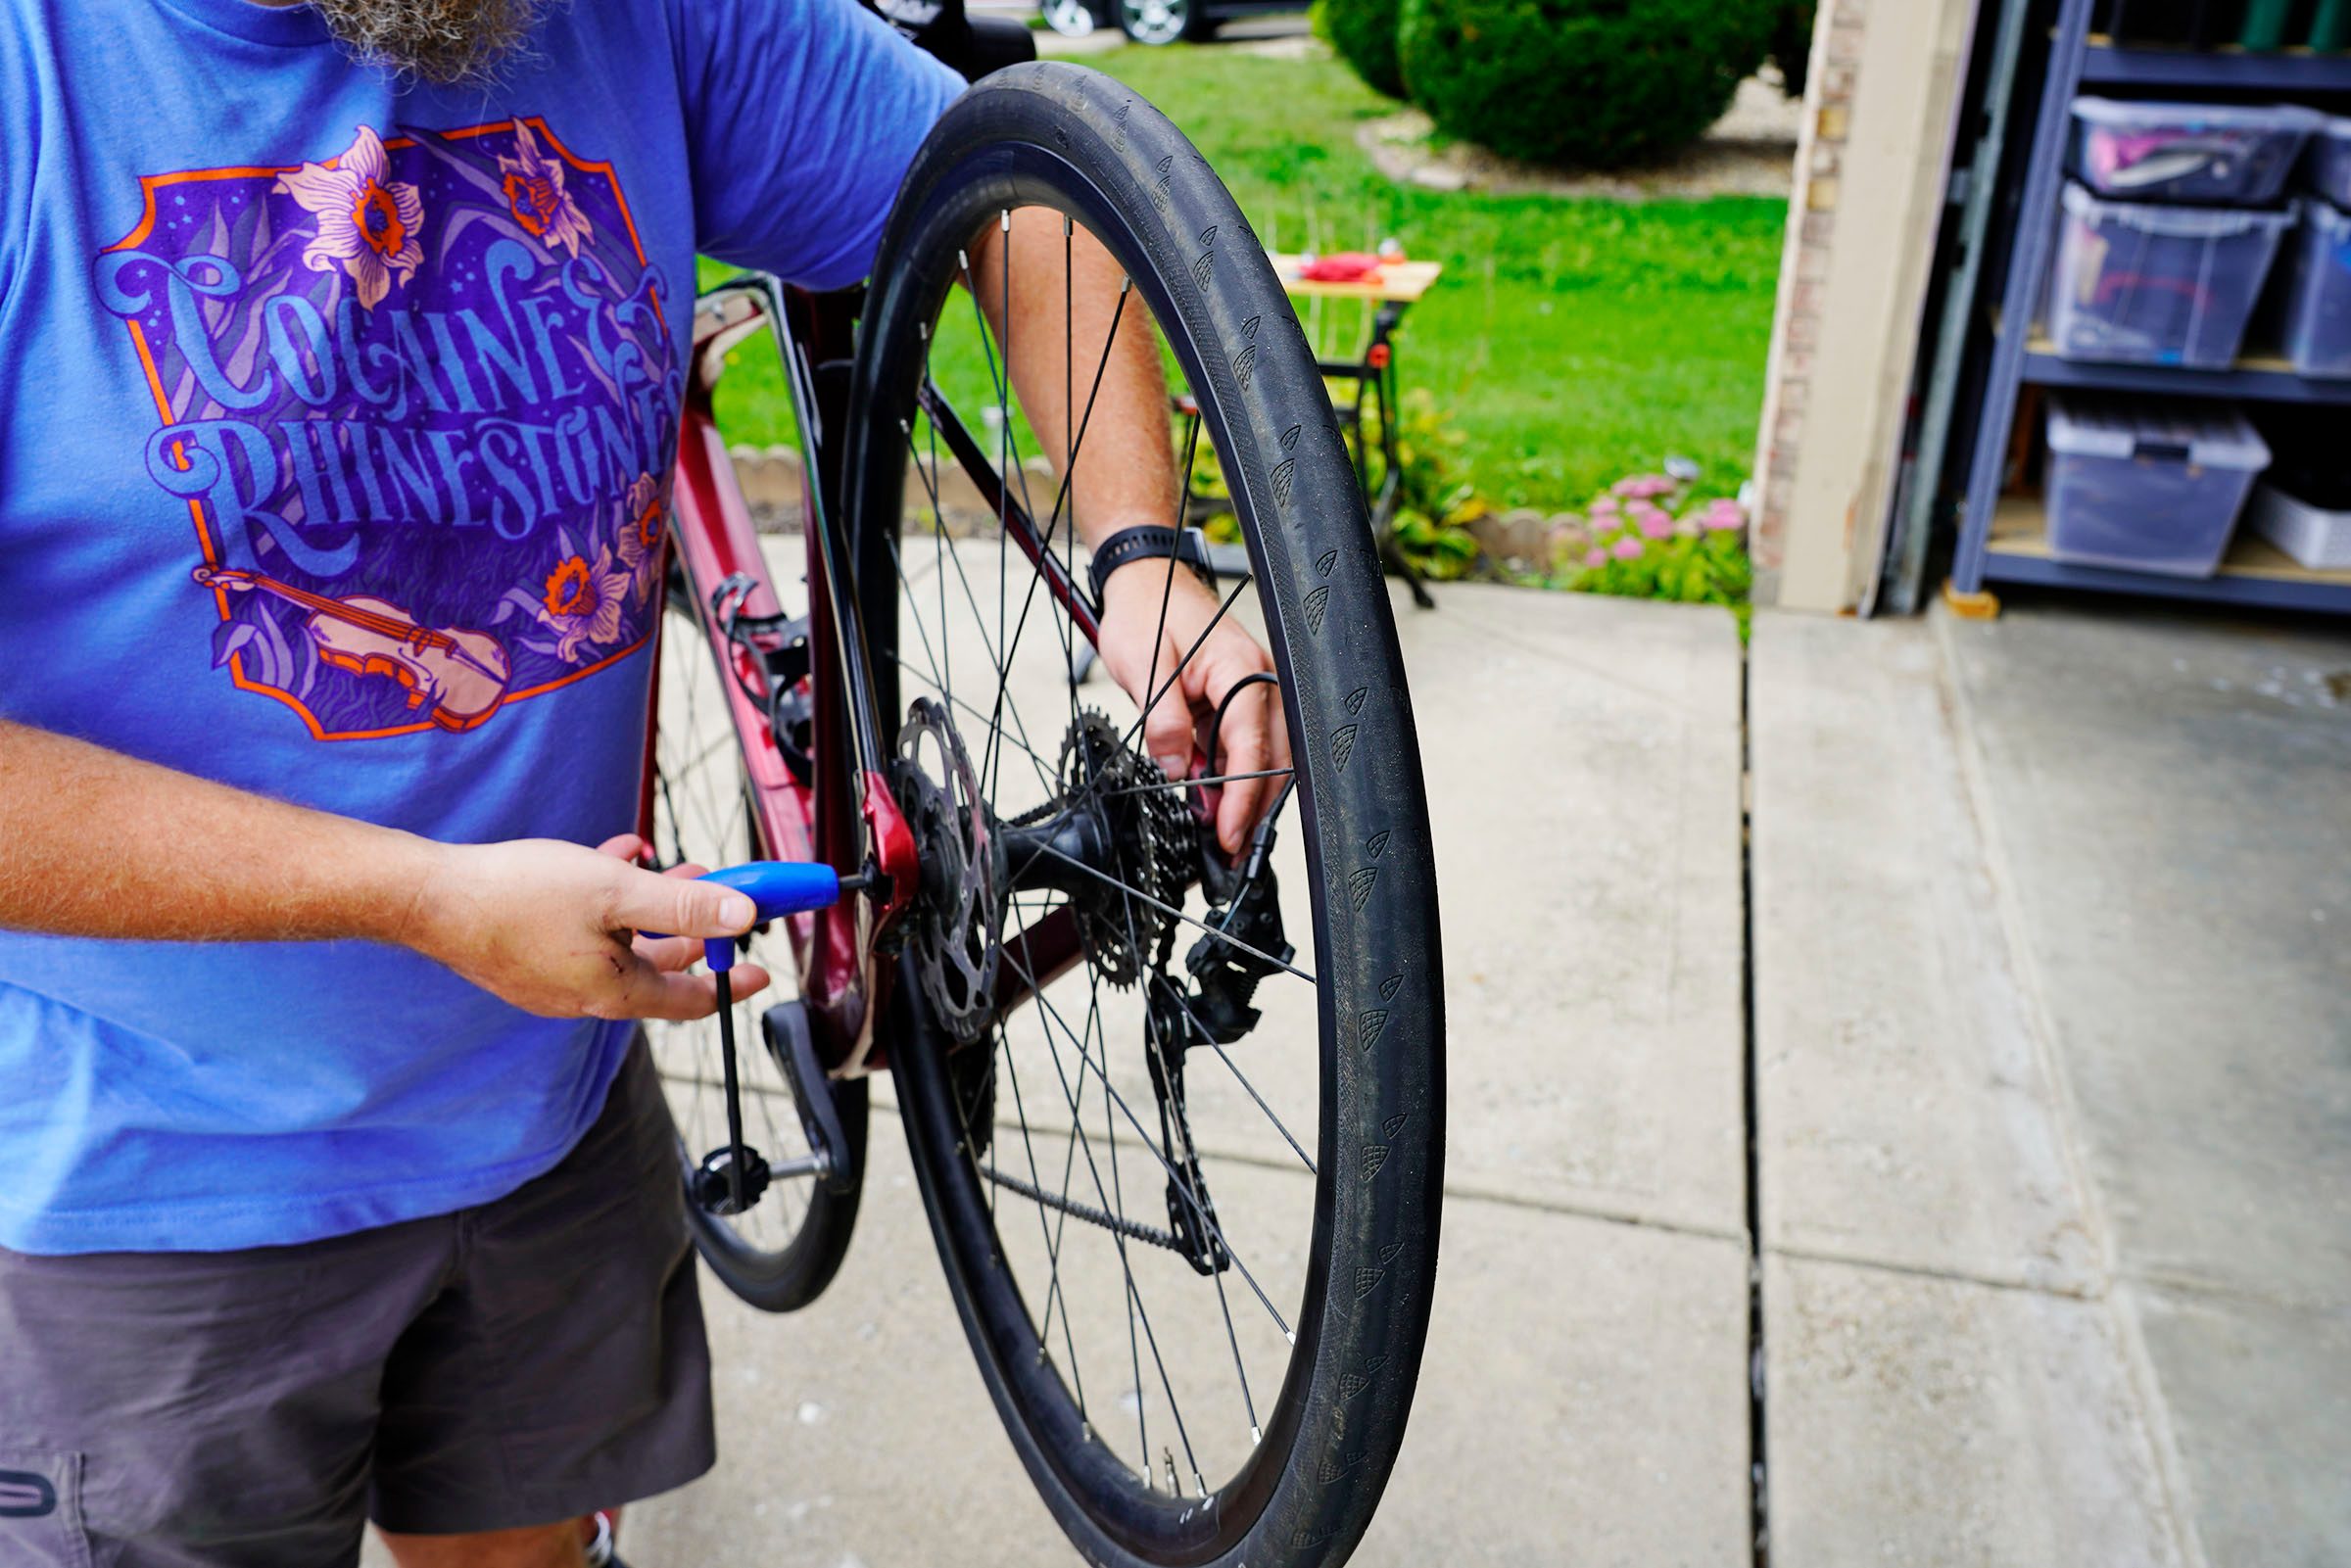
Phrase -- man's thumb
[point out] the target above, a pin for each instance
(650, 902)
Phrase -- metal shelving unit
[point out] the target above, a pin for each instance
(2001, 538)
(2284, 70)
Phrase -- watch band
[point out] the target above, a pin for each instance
(1148, 542)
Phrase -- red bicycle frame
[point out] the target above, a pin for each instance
(846, 817)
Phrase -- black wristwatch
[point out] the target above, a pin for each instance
(1129, 544)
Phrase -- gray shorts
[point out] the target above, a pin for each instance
(527, 1360)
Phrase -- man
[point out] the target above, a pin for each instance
(336, 1184)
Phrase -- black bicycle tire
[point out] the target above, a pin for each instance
(1080, 138)
(787, 1278)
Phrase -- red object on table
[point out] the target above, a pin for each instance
(1346, 266)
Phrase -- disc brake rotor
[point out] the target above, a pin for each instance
(958, 930)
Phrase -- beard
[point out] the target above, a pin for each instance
(445, 42)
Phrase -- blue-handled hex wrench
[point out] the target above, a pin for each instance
(775, 888)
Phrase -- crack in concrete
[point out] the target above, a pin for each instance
(1758, 1493)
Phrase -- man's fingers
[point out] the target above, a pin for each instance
(1167, 726)
(669, 954)
(623, 846)
(646, 902)
(646, 992)
(1244, 745)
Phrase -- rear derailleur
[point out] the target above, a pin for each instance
(1244, 905)
(1121, 847)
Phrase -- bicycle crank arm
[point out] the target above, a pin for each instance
(793, 1045)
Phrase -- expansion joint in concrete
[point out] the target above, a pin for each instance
(1758, 1495)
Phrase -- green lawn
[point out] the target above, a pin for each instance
(1571, 341)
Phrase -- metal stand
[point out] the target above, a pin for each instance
(1375, 379)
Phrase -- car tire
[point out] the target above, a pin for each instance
(1155, 23)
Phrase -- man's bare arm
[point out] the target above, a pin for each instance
(1111, 408)
(95, 844)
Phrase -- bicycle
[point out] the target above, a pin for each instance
(1187, 1206)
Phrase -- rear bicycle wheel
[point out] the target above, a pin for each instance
(1179, 1125)
(781, 1253)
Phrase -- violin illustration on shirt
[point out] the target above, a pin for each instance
(463, 674)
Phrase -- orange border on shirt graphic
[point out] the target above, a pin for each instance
(149, 184)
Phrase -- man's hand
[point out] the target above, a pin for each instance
(552, 927)
(1065, 308)
(1253, 738)
(101, 844)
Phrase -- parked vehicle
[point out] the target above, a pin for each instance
(1156, 21)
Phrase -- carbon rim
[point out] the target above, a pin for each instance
(1043, 1372)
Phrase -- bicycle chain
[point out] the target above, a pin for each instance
(1134, 1229)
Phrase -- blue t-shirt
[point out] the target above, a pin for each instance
(292, 362)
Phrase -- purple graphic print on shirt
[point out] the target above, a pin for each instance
(420, 402)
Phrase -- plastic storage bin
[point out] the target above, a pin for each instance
(2148, 485)
(2303, 502)
(2150, 152)
(2313, 293)
(2316, 536)
(2327, 168)
(2157, 285)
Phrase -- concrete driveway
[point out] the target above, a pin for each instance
(1998, 1212)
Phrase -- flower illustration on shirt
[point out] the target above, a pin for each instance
(535, 194)
(638, 541)
(582, 603)
(368, 221)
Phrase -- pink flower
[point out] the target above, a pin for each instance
(535, 194)
(1640, 487)
(1627, 548)
(1595, 557)
(637, 539)
(1725, 520)
(582, 603)
(1567, 539)
(1654, 524)
(368, 221)
(1604, 505)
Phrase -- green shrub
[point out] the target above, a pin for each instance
(1363, 32)
(1792, 45)
(1588, 83)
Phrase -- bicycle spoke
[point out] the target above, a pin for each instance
(1124, 1228)
(1208, 781)
(1110, 1090)
(1132, 891)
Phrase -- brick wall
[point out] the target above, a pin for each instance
(1838, 34)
